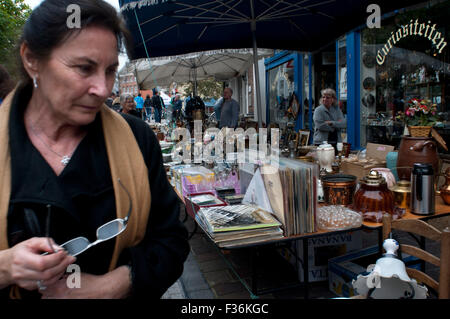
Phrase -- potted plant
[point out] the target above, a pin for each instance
(419, 117)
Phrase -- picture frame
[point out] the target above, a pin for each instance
(303, 139)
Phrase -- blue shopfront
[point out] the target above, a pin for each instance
(375, 72)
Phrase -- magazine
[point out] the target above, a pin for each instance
(235, 217)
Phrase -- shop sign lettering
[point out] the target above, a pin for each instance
(414, 28)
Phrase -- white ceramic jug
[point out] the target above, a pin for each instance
(325, 155)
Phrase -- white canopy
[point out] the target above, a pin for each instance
(219, 64)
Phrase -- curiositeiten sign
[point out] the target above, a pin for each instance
(414, 28)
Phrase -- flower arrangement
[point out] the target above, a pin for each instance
(420, 112)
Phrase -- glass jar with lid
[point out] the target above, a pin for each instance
(373, 198)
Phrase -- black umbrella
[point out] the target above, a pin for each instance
(173, 27)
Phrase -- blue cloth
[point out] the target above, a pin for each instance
(139, 102)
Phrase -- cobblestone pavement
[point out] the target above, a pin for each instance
(176, 291)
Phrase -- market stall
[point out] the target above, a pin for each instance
(308, 192)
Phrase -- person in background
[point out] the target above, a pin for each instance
(128, 106)
(148, 107)
(328, 119)
(6, 83)
(176, 107)
(228, 109)
(116, 104)
(139, 105)
(157, 104)
(110, 99)
(75, 172)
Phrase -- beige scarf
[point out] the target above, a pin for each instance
(125, 160)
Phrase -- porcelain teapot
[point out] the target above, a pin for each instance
(326, 156)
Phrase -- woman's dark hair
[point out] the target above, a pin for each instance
(6, 83)
(47, 27)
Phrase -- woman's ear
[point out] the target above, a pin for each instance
(30, 62)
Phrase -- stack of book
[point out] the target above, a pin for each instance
(233, 225)
(296, 181)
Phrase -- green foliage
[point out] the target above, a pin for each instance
(13, 14)
(206, 89)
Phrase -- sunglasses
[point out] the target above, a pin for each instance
(105, 232)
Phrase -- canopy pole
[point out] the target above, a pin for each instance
(145, 47)
(255, 61)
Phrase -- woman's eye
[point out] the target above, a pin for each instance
(85, 68)
(111, 71)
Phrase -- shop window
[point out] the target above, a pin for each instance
(406, 58)
(342, 79)
(281, 89)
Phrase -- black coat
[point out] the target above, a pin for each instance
(81, 199)
(157, 102)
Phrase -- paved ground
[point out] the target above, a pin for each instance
(208, 275)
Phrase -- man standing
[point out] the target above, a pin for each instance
(139, 104)
(157, 104)
(228, 109)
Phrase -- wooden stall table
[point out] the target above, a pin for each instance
(441, 210)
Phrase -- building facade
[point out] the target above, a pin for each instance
(375, 72)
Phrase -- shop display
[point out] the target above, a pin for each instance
(369, 83)
(368, 59)
(402, 194)
(337, 217)
(373, 198)
(416, 150)
(325, 155)
(235, 217)
(338, 189)
(445, 188)
(388, 279)
(387, 174)
(422, 189)
(368, 100)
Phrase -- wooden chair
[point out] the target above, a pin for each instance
(426, 230)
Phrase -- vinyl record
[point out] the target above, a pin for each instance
(368, 60)
(369, 83)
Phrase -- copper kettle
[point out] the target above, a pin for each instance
(445, 188)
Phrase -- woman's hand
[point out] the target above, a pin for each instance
(24, 264)
(112, 285)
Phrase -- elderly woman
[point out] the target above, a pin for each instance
(81, 183)
(328, 119)
(128, 105)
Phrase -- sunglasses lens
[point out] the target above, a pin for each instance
(76, 246)
(110, 230)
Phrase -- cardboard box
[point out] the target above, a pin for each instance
(320, 250)
(376, 157)
(343, 269)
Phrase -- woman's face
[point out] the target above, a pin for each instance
(327, 100)
(79, 75)
(128, 105)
